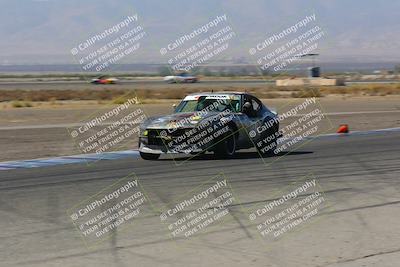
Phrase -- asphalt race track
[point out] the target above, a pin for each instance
(359, 176)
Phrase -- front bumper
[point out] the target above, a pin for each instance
(161, 150)
(172, 143)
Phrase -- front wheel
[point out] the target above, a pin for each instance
(149, 156)
(226, 148)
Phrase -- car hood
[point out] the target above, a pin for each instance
(178, 120)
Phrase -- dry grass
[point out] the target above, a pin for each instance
(306, 92)
(18, 104)
(23, 98)
(53, 95)
(363, 89)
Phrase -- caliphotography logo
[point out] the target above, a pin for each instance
(199, 133)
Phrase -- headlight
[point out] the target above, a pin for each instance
(195, 119)
(143, 132)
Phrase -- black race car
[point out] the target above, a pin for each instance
(221, 123)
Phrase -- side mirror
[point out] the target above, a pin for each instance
(173, 106)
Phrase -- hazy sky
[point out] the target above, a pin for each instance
(44, 31)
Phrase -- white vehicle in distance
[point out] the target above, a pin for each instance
(181, 78)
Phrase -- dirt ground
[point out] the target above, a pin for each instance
(43, 131)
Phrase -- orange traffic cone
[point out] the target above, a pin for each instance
(344, 128)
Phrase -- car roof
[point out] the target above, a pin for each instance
(219, 93)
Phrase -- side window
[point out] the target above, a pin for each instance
(256, 105)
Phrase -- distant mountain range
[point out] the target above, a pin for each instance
(44, 31)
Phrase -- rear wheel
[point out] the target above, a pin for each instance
(149, 156)
(226, 148)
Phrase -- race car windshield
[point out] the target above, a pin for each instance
(202, 103)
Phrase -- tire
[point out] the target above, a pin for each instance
(226, 148)
(149, 156)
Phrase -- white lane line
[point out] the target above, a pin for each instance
(42, 162)
(48, 126)
(387, 130)
(350, 113)
(364, 112)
